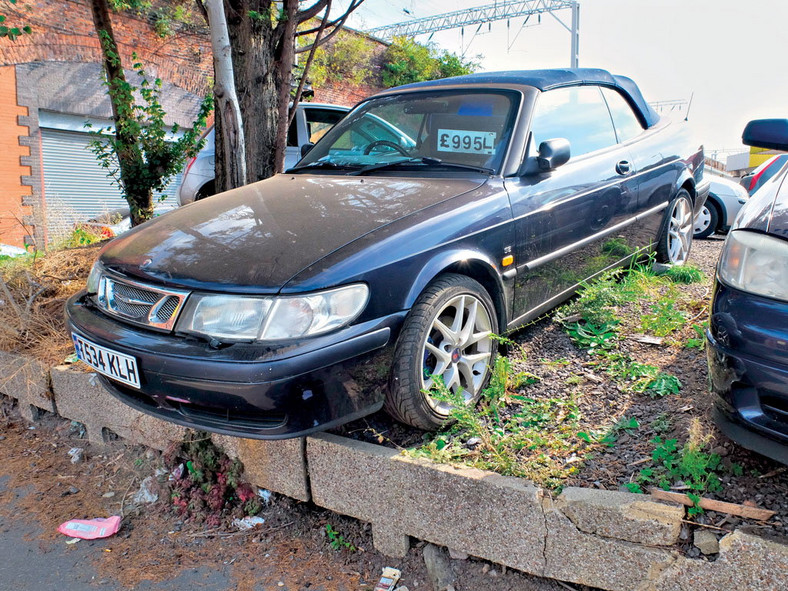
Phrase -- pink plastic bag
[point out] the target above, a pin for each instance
(90, 529)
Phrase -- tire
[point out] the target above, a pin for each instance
(707, 221)
(435, 342)
(207, 190)
(675, 240)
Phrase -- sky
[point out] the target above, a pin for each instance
(730, 56)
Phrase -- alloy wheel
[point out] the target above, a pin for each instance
(458, 349)
(680, 229)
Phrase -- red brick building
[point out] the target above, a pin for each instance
(51, 85)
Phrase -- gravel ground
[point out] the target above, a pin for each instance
(550, 355)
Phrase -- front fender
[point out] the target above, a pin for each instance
(474, 264)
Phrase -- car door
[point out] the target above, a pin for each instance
(309, 125)
(574, 221)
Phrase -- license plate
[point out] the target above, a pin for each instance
(112, 364)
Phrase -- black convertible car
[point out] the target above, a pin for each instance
(432, 217)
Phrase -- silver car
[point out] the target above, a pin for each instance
(311, 122)
(726, 198)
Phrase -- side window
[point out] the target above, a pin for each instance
(578, 114)
(319, 121)
(624, 119)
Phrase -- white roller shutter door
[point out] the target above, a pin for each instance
(76, 187)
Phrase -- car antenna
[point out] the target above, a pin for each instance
(686, 117)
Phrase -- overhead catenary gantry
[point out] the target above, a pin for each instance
(486, 14)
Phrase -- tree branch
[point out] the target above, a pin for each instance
(312, 11)
(202, 10)
(337, 22)
(299, 90)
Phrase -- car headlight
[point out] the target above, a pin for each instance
(92, 284)
(246, 318)
(755, 263)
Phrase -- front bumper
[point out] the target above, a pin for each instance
(256, 391)
(747, 351)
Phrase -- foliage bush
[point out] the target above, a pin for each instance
(407, 61)
(348, 60)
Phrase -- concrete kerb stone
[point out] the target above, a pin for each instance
(623, 516)
(584, 536)
(79, 396)
(27, 380)
(279, 466)
(588, 559)
(745, 561)
(476, 512)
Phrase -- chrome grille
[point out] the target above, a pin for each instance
(140, 303)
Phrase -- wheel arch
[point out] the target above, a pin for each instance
(687, 182)
(472, 264)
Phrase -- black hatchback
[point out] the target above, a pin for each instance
(432, 217)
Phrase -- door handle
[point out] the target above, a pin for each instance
(623, 167)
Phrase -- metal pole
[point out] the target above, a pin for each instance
(575, 32)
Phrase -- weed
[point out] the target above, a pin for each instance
(610, 437)
(513, 434)
(573, 380)
(617, 247)
(664, 318)
(634, 487)
(554, 363)
(596, 300)
(663, 385)
(81, 236)
(593, 337)
(683, 274)
(208, 487)
(700, 341)
(336, 540)
(692, 464)
(661, 423)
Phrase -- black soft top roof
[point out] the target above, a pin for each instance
(549, 79)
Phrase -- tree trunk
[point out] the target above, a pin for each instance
(230, 169)
(262, 38)
(140, 198)
(253, 48)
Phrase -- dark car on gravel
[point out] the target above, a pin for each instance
(748, 332)
(432, 217)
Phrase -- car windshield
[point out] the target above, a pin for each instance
(419, 130)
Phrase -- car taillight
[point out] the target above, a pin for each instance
(754, 179)
(189, 165)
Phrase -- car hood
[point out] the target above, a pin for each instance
(255, 238)
(767, 209)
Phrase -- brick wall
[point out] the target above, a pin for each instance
(58, 68)
(12, 191)
(63, 31)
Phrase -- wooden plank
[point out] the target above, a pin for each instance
(712, 505)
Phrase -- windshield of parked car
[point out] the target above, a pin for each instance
(414, 131)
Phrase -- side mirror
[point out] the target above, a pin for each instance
(552, 154)
(305, 148)
(766, 133)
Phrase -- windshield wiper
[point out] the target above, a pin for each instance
(432, 162)
(321, 164)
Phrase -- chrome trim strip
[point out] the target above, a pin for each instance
(539, 261)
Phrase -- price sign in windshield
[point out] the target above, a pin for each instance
(466, 142)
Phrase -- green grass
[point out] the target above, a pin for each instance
(508, 432)
(598, 319)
